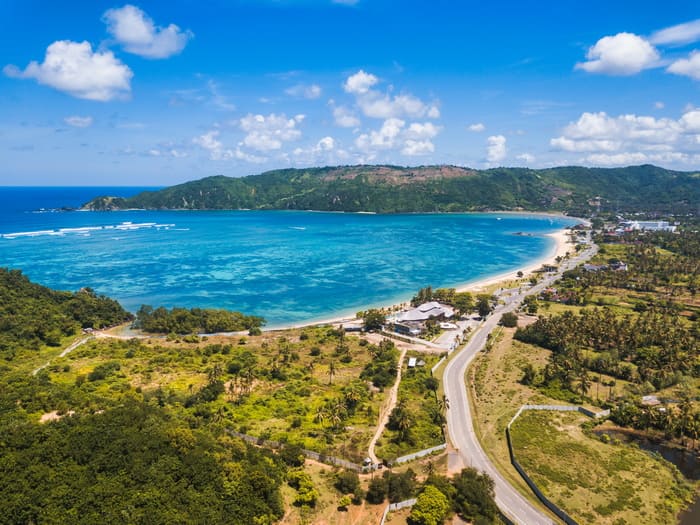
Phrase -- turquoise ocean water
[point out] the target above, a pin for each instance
(288, 266)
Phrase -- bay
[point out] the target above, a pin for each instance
(287, 266)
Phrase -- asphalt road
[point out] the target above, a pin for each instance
(459, 416)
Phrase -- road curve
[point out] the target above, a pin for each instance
(459, 416)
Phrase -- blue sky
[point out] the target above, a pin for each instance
(157, 93)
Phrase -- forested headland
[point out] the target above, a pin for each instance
(392, 189)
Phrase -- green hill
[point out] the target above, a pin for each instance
(32, 315)
(393, 189)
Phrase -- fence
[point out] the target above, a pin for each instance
(419, 454)
(397, 506)
(559, 408)
(321, 458)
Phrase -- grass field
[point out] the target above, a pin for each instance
(497, 395)
(592, 481)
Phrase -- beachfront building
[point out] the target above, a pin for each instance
(412, 322)
(650, 226)
(431, 310)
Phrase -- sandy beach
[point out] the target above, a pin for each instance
(561, 247)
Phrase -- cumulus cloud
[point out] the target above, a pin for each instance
(310, 92)
(621, 54)
(527, 158)
(688, 67)
(136, 32)
(414, 140)
(72, 67)
(210, 142)
(477, 127)
(677, 35)
(78, 122)
(326, 150)
(628, 139)
(266, 133)
(360, 82)
(375, 104)
(384, 138)
(496, 150)
(345, 118)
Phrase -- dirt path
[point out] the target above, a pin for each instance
(386, 412)
(66, 351)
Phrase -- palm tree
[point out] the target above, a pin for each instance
(331, 371)
(214, 373)
(320, 415)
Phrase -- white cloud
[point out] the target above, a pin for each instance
(213, 145)
(325, 151)
(659, 105)
(621, 54)
(477, 127)
(419, 131)
(310, 92)
(384, 138)
(75, 69)
(677, 35)
(414, 148)
(345, 118)
(78, 122)
(360, 82)
(266, 133)
(629, 139)
(527, 158)
(689, 67)
(248, 157)
(375, 105)
(416, 139)
(690, 121)
(136, 32)
(496, 150)
(326, 144)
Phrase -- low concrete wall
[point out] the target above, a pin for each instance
(419, 454)
(322, 458)
(397, 506)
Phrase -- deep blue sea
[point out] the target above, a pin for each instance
(287, 266)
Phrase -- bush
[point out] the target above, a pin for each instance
(347, 482)
(431, 508)
(376, 492)
(102, 371)
(509, 320)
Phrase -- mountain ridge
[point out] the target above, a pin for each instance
(440, 188)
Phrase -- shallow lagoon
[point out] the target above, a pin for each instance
(288, 266)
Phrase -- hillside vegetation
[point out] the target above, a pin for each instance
(32, 315)
(393, 189)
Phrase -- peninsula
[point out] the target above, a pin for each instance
(575, 191)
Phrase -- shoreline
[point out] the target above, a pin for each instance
(559, 249)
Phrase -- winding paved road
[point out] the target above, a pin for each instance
(459, 417)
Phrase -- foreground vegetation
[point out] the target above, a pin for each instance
(139, 430)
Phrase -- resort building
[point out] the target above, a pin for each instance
(412, 322)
